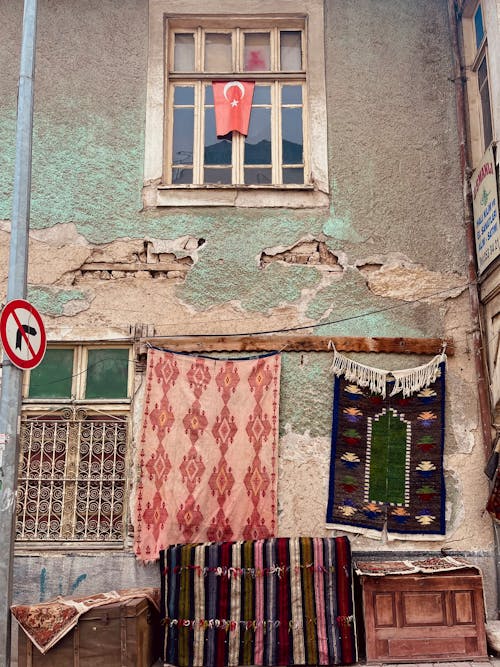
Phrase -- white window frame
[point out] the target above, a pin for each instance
(157, 192)
(474, 56)
(111, 409)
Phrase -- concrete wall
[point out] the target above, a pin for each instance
(393, 233)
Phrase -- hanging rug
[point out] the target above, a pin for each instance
(386, 465)
(207, 451)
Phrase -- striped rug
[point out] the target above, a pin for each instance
(280, 601)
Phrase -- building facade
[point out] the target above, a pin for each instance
(341, 215)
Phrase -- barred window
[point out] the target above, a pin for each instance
(72, 483)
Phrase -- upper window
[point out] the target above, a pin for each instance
(478, 85)
(284, 150)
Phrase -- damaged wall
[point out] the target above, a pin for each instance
(387, 258)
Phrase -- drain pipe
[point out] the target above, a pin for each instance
(459, 79)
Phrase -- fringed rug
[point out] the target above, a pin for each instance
(207, 451)
(386, 467)
(46, 623)
(266, 602)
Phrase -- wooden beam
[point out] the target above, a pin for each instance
(297, 343)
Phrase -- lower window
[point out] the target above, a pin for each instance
(71, 483)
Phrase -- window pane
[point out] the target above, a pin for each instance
(478, 26)
(107, 373)
(257, 54)
(291, 132)
(293, 175)
(291, 95)
(209, 95)
(290, 50)
(258, 141)
(262, 95)
(184, 95)
(217, 52)
(182, 144)
(53, 377)
(222, 176)
(217, 151)
(184, 52)
(486, 112)
(482, 73)
(257, 176)
(182, 176)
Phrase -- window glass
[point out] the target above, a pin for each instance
(478, 26)
(292, 141)
(291, 50)
(257, 52)
(107, 373)
(484, 91)
(293, 175)
(218, 52)
(258, 141)
(184, 52)
(53, 377)
(184, 95)
(217, 151)
(291, 95)
(218, 176)
(261, 95)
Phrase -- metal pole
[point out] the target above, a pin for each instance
(10, 401)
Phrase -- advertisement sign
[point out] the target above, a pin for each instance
(485, 206)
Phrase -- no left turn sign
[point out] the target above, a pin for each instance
(22, 334)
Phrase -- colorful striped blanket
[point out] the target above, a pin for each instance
(280, 601)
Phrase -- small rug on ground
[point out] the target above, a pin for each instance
(46, 623)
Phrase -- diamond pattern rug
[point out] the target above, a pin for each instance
(207, 451)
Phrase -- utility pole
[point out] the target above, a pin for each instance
(10, 400)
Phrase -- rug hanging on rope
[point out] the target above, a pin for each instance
(207, 451)
(282, 601)
(386, 467)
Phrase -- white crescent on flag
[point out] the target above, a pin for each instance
(234, 84)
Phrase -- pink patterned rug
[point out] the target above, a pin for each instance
(207, 451)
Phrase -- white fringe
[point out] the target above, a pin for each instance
(364, 376)
(407, 381)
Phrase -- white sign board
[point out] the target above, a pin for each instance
(485, 207)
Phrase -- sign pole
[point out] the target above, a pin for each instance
(10, 401)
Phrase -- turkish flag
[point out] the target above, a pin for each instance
(233, 103)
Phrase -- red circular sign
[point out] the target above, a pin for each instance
(22, 334)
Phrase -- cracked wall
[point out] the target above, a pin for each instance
(386, 258)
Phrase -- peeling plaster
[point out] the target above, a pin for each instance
(55, 302)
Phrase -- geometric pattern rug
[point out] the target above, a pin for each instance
(386, 466)
(281, 601)
(207, 451)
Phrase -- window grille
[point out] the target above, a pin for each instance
(71, 484)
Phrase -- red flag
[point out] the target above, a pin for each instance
(233, 103)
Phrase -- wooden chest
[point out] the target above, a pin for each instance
(424, 617)
(119, 634)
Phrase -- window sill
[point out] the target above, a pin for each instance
(251, 196)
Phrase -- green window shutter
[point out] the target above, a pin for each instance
(53, 377)
(107, 373)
